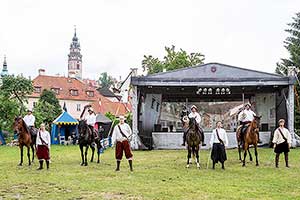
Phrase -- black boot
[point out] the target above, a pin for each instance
(223, 167)
(183, 143)
(118, 165)
(130, 165)
(47, 163)
(259, 141)
(41, 165)
(277, 160)
(213, 167)
(286, 158)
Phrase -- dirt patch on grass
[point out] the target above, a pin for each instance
(118, 195)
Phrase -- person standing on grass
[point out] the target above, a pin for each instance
(282, 141)
(218, 142)
(120, 137)
(43, 146)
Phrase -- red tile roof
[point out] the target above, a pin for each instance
(64, 85)
(104, 105)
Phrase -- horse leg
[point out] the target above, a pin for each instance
(86, 152)
(197, 156)
(21, 152)
(239, 150)
(28, 155)
(256, 154)
(32, 149)
(250, 156)
(245, 153)
(93, 151)
(188, 157)
(82, 156)
(98, 153)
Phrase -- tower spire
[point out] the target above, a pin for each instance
(75, 58)
(4, 71)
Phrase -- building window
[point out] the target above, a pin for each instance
(37, 89)
(78, 107)
(34, 104)
(90, 93)
(55, 90)
(78, 66)
(74, 92)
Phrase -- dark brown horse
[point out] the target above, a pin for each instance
(193, 139)
(251, 138)
(25, 138)
(86, 140)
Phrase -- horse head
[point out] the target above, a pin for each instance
(18, 124)
(83, 130)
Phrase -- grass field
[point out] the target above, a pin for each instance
(157, 175)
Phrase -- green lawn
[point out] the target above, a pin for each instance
(157, 175)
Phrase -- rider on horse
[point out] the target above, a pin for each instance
(91, 121)
(246, 116)
(29, 120)
(196, 115)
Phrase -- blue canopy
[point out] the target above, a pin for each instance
(65, 119)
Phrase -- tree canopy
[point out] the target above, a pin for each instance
(292, 44)
(105, 80)
(172, 60)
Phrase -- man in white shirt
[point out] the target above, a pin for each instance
(218, 142)
(91, 121)
(196, 115)
(282, 141)
(29, 119)
(120, 137)
(43, 146)
(246, 116)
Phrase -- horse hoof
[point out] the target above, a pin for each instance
(187, 166)
(198, 165)
(85, 164)
(243, 165)
(20, 164)
(257, 164)
(98, 161)
(82, 164)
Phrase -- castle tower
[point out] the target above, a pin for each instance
(4, 71)
(75, 59)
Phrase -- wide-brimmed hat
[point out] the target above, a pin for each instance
(281, 120)
(248, 104)
(193, 106)
(121, 117)
(90, 109)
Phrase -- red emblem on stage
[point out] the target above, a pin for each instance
(213, 69)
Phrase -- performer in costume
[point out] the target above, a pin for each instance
(282, 141)
(196, 115)
(218, 142)
(43, 146)
(29, 120)
(120, 137)
(245, 117)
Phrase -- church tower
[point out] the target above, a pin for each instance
(75, 59)
(4, 71)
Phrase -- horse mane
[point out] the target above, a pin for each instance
(24, 125)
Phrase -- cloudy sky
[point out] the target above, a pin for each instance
(115, 34)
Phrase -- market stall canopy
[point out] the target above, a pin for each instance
(65, 119)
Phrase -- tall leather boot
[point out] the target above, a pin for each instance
(213, 167)
(130, 165)
(41, 165)
(259, 141)
(286, 158)
(223, 167)
(277, 160)
(47, 163)
(118, 165)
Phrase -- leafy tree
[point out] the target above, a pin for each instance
(9, 109)
(18, 88)
(292, 44)
(105, 80)
(47, 108)
(173, 60)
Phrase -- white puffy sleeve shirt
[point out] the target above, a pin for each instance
(222, 134)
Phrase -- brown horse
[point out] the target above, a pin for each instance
(193, 139)
(251, 138)
(25, 138)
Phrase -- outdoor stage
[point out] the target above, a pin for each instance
(169, 140)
